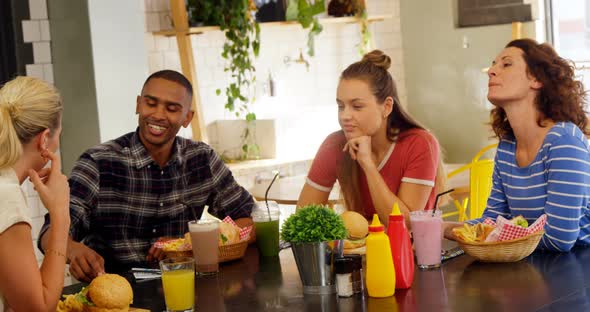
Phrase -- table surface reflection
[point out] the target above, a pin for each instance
(541, 282)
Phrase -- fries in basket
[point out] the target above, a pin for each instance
(473, 233)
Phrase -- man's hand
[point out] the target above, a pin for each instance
(156, 254)
(85, 263)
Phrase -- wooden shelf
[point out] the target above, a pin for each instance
(323, 21)
(182, 32)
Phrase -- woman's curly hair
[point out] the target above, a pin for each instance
(561, 98)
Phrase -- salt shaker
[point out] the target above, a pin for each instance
(343, 267)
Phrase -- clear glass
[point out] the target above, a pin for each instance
(427, 234)
(204, 238)
(267, 229)
(178, 281)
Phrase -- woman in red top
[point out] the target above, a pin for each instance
(381, 155)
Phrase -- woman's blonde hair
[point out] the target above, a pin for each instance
(28, 106)
(373, 70)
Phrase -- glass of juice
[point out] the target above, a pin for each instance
(267, 229)
(178, 280)
(427, 234)
(204, 238)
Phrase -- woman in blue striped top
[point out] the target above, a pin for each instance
(542, 165)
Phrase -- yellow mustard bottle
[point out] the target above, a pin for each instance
(380, 269)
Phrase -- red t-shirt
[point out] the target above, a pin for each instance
(413, 158)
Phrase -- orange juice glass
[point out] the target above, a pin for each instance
(178, 281)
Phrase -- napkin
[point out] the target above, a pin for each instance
(244, 232)
(505, 230)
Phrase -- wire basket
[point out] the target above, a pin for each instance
(504, 251)
(232, 251)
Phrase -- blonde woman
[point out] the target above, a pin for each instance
(30, 124)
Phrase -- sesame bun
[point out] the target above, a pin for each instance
(356, 224)
(109, 292)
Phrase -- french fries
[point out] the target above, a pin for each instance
(473, 233)
(69, 304)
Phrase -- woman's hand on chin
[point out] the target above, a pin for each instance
(359, 149)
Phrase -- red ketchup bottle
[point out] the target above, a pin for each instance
(401, 249)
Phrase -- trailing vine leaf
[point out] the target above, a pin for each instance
(365, 44)
(242, 44)
(304, 11)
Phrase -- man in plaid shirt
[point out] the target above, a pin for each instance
(127, 193)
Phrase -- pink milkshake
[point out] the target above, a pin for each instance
(427, 234)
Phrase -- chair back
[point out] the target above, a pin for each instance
(480, 186)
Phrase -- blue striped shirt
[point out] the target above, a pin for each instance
(557, 183)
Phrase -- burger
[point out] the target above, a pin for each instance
(107, 293)
(358, 229)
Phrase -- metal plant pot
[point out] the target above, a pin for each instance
(315, 262)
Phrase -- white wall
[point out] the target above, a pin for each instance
(304, 108)
(445, 83)
(119, 57)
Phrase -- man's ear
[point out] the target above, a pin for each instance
(137, 101)
(189, 117)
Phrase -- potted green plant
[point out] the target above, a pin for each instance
(242, 44)
(315, 233)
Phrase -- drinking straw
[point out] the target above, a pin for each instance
(437, 197)
(266, 193)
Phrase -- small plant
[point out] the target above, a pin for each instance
(304, 11)
(313, 224)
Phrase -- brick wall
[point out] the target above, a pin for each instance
(304, 106)
(36, 32)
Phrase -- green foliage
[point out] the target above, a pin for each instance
(242, 44)
(304, 11)
(313, 224)
(365, 43)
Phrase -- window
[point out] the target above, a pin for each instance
(570, 28)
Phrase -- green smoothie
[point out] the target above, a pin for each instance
(267, 237)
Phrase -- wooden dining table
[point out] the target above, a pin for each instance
(541, 282)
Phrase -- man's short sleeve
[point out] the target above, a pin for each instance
(324, 169)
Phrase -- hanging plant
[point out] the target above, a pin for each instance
(242, 44)
(365, 44)
(305, 11)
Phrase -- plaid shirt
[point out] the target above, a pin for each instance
(121, 201)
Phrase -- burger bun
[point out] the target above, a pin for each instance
(356, 225)
(109, 293)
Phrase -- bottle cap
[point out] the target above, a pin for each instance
(343, 265)
(376, 226)
(395, 211)
(357, 261)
